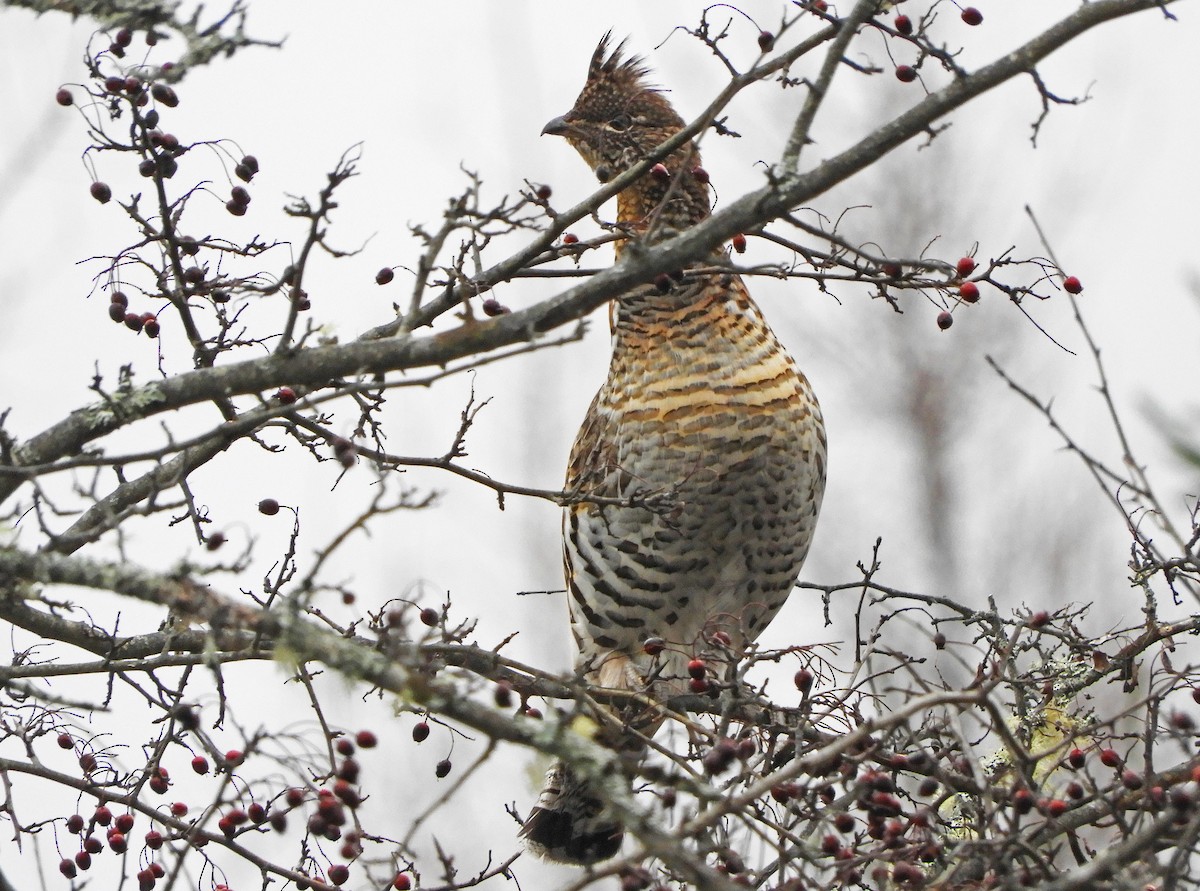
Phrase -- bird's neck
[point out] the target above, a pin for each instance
(660, 205)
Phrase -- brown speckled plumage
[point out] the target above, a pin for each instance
(702, 406)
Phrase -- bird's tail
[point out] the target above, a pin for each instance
(570, 824)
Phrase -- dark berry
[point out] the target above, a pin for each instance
(739, 243)
(83, 859)
(543, 193)
(493, 307)
(1071, 284)
(429, 616)
(803, 680)
(75, 824)
(972, 16)
(904, 24)
(384, 275)
(366, 739)
(63, 97)
(339, 874)
(67, 868)
(286, 396)
(250, 163)
(200, 764)
(652, 646)
(101, 192)
(269, 507)
(235, 209)
(660, 172)
(442, 768)
(944, 320)
(568, 238)
(165, 94)
(766, 41)
(420, 732)
(151, 327)
(906, 73)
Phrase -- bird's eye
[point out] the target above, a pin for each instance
(620, 122)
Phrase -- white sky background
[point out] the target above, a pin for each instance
(426, 87)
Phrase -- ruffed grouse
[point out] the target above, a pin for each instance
(703, 407)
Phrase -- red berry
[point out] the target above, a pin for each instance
(906, 73)
(697, 668)
(739, 243)
(124, 37)
(101, 192)
(1056, 807)
(83, 860)
(339, 874)
(420, 732)
(103, 815)
(892, 270)
(660, 172)
(698, 685)
(493, 307)
(1071, 284)
(700, 175)
(164, 94)
(154, 839)
(366, 739)
(402, 882)
(294, 797)
(1131, 779)
(63, 97)
(64, 739)
(257, 813)
(803, 680)
(385, 275)
(831, 844)
(652, 646)
(1076, 758)
(429, 616)
(93, 845)
(1039, 619)
(152, 328)
(1022, 801)
(1109, 758)
(904, 24)
(125, 823)
(268, 507)
(116, 841)
(568, 238)
(75, 824)
(285, 395)
(944, 320)
(968, 292)
(766, 41)
(345, 746)
(965, 266)
(114, 84)
(179, 809)
(67, 868)
(972, 16)
(843, 822)
(234, 757)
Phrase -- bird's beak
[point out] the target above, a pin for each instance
(556, 127)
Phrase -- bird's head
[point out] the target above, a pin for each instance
(618, 120)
